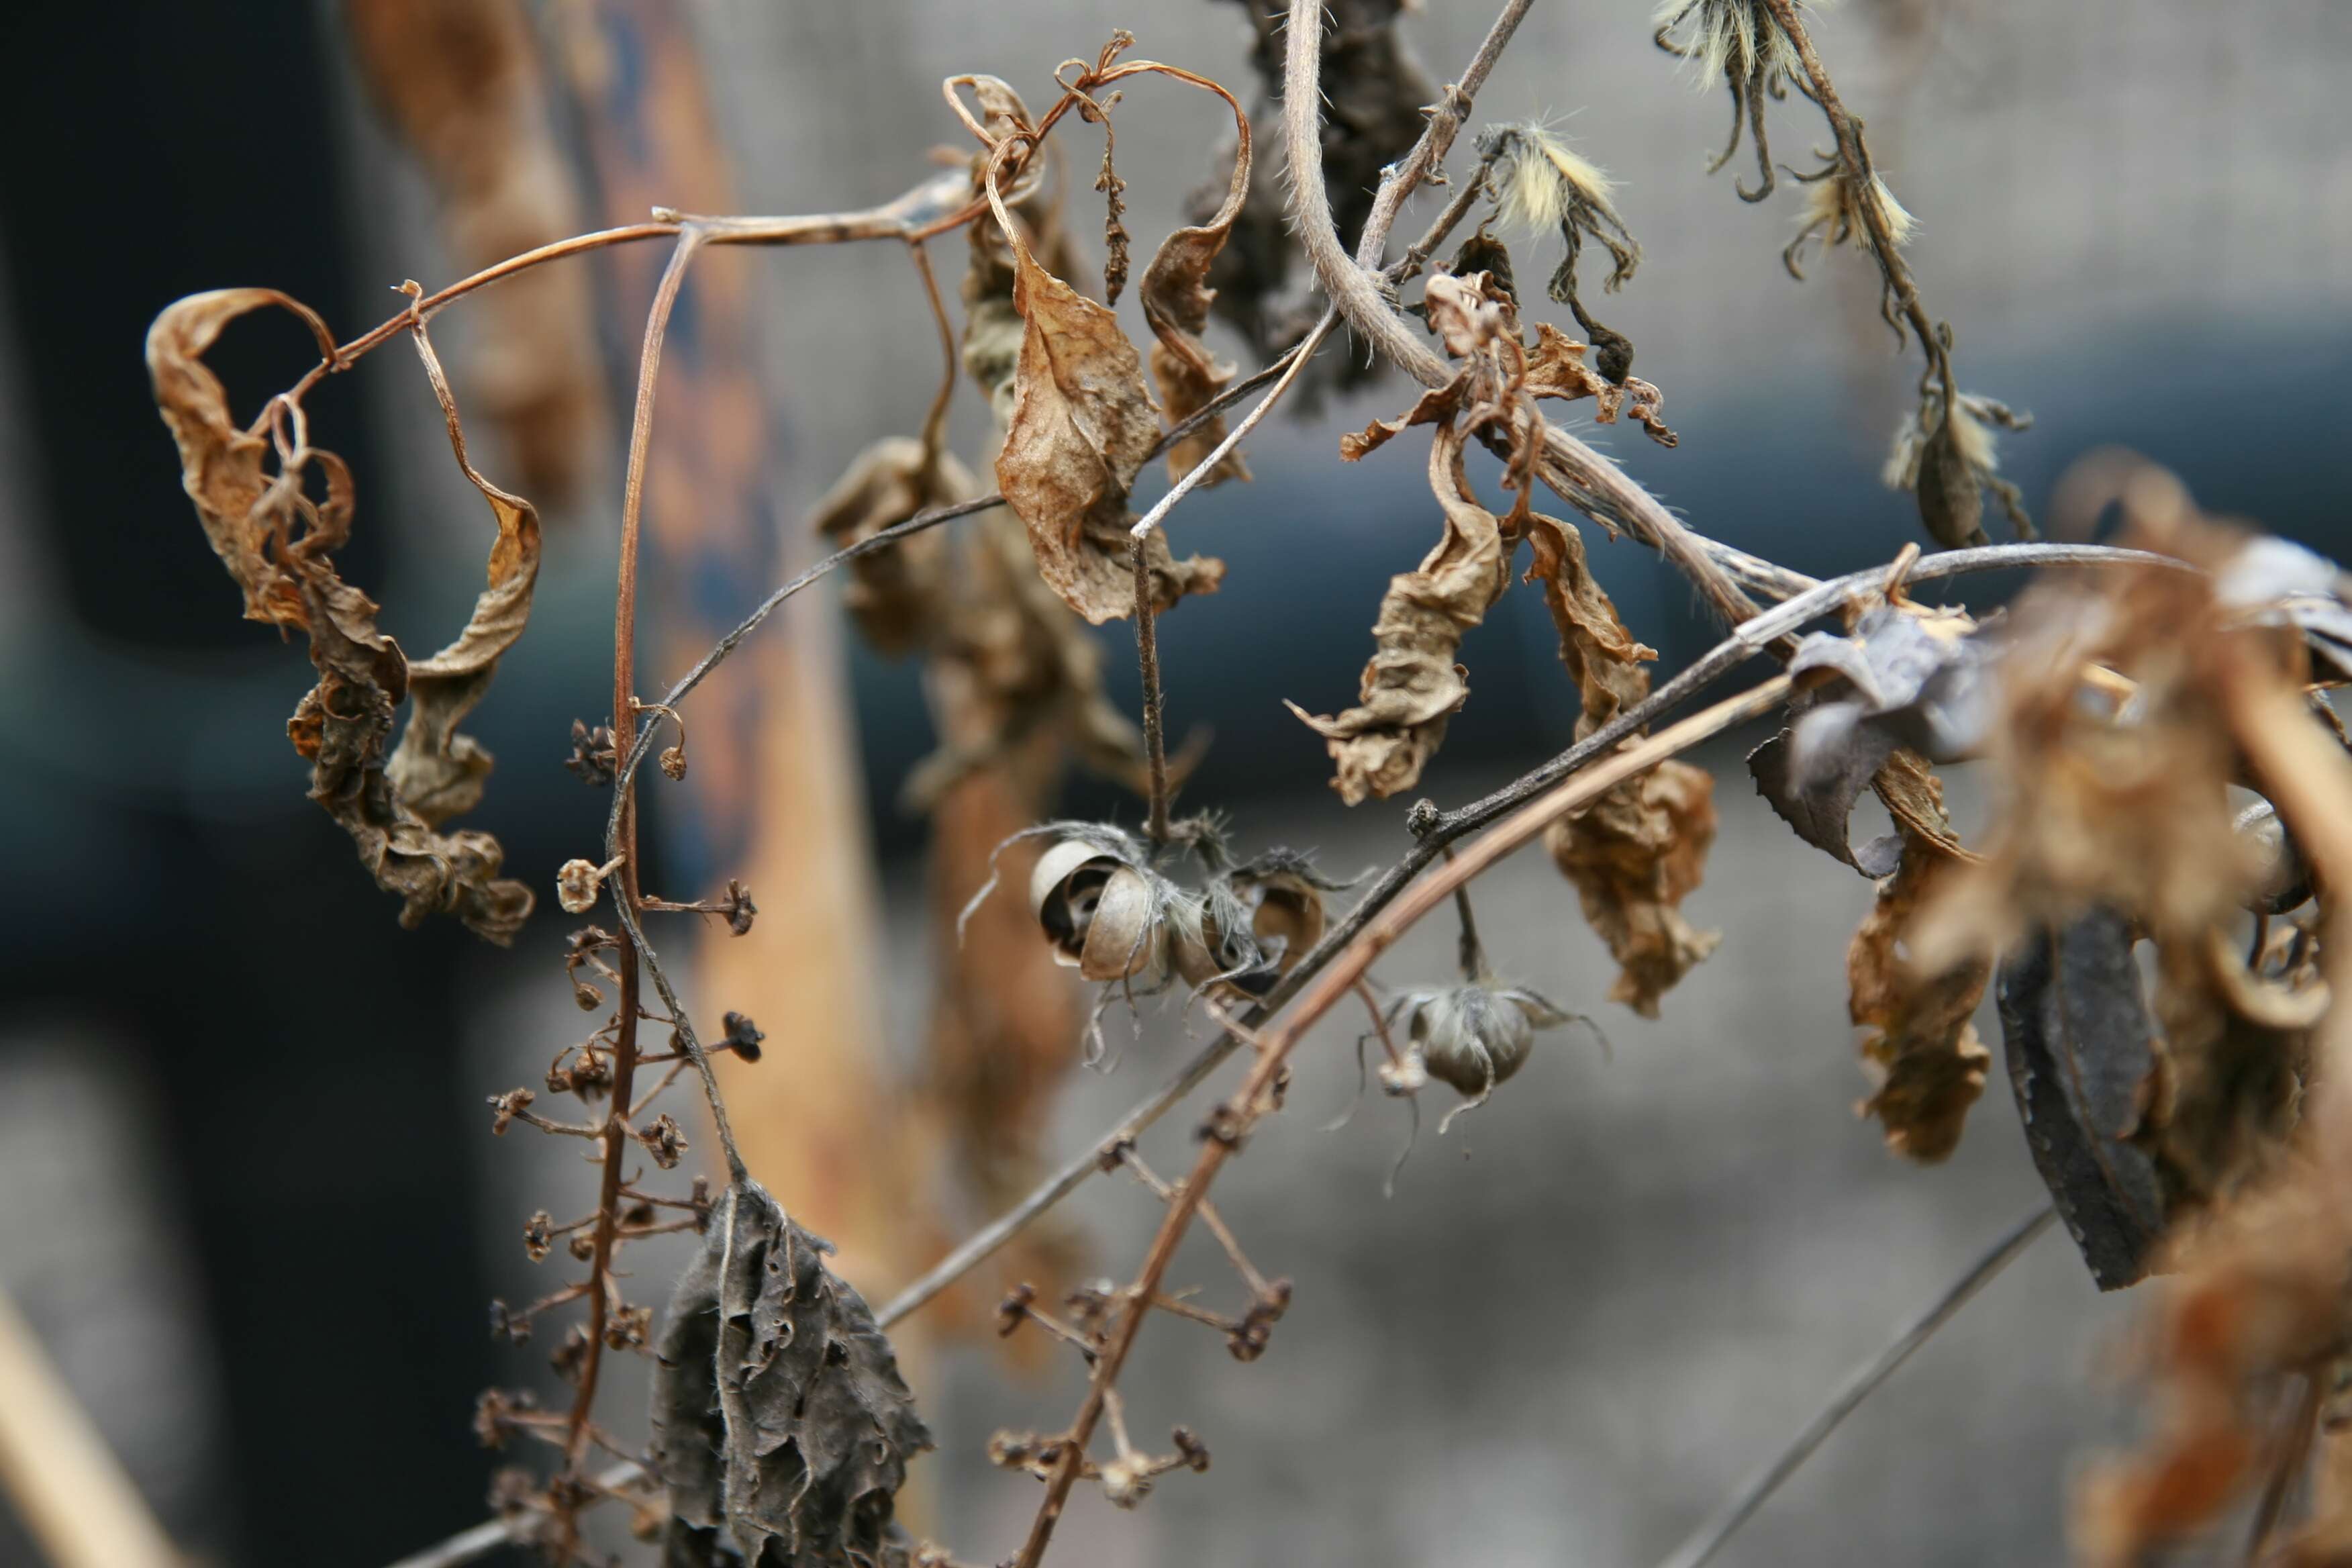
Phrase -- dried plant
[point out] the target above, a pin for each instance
(2196, 1126)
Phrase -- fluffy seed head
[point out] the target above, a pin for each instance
(1728, 38)
(1541, 178)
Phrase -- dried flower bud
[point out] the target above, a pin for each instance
(505, 1325)
(570, 1355)
(495, 1412)
(1195, 1452)
(663, 1141)
(1257, 921)
(505, 1107)
(1948, 463)
(1838, 210)
(743, 1037)
(582, 1245)
(627, 1328)
(576, 884)
(538, 1235)
(1472, 1036)
(1738, 38)
(737, 907)
(594, 760)
(673, 761)
(1126, 1480)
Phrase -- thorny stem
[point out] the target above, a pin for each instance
(1859, 1384)
(1581, 476)
(1855, 157)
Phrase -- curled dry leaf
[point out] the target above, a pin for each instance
(893, 594)
(1176, 302)
(1413, 685)
(1080, 424)
(1921, 1043)
(1637, 852)
(276, 542)
(1635, 855)
(2114, 792)
(780, 1425)
(462, 82)
(1873, 709)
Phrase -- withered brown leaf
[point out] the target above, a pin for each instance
(277, 541)
(1081, 424)
(1635, 855)
(1176, 300)
(780, 1425)
(1921, 1043)
(893, 594)
(1412, 686)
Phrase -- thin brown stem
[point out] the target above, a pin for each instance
(1854, 155)
(1859, 1384)
(1147, 651)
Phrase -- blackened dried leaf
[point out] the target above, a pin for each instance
(1176, 301)
(2080, 1050)
(1079, 428)
(1412, 686)
(780, 1425)
(1921, 1042)
(276, 540)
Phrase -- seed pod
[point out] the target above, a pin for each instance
(1952, 504)
(1257, 921)
(1104, 916)
(1474, 1036)
(2285, 879)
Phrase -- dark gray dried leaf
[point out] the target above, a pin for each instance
(2081, 1056)
(277, 541)
(1872, 710)
(780, 1425)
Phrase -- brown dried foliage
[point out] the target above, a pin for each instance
(278, 542)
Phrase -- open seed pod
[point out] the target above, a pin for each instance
(1257, 921)
(1104, 913)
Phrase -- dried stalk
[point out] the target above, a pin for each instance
(67, 1488)
(1859, 1384)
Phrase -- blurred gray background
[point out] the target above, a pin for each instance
(1585, 1314)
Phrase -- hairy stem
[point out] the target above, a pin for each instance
(1583, 477)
